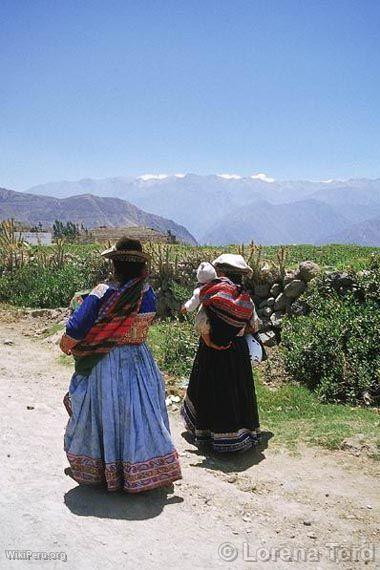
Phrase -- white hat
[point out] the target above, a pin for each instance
(233, 262)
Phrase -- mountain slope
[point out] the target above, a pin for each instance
(298, 222)
(90, 210)
(363, 233)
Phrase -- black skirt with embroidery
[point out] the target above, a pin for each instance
(220, 407)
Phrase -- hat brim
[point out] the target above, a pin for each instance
(127, 255)
(233, 269)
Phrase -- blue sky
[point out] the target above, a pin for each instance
(94, 88)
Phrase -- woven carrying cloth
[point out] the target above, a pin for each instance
(113, 323)
(228, 301)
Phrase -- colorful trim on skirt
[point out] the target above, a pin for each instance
(242, 439)
(120, 475)
(118, 434)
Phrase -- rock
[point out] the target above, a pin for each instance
(275, 290)
(262, 289)
(232, 479)
(289, 303)
(266, 325)
(341, 281)
(247, 487)
(357, 444)
(8, 342)
(267, 303)
(268, 338)
(308, 270)
(30, 407)
(294, 289)
(312, 535)
(280, 303)
(298, 308)
(42, 313)
(276, 320)
(265, 312)
(42, 331)
(307, 522)
(367, 398)
(290, 276)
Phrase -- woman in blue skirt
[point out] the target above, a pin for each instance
(118, 432)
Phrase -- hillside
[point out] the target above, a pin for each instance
(366, 232)
(204, 203)
(265, 223)
(92, 211)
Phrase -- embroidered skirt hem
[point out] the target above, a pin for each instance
(242, 439)
(121, 475)
(118, 433)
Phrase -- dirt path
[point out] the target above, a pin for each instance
(256, 506)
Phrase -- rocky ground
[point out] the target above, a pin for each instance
(265, 509)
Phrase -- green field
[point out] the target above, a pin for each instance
(332, 255)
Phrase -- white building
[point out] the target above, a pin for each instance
(37, 238)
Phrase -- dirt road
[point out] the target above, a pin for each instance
(254, 511)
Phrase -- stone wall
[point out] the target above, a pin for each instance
(275, 299)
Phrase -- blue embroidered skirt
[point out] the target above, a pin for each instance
(118, 434)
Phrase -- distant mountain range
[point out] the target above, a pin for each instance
(364, 233)
(222, 209)
(92, 211)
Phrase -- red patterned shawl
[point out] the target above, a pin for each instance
(114, 321)
(230, 302)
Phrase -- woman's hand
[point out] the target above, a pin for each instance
(67, 344)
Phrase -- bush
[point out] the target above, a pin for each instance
(35, 286)
(174, 344)
(334, 350)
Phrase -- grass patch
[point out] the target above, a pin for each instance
(296, 416)
(66, 360)
(53, 329)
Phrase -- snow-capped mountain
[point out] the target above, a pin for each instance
(210, 206)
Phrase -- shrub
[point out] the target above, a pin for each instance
(35, 286)
(174, 344)
(334, 350)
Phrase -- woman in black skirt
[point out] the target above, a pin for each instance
(220, 406)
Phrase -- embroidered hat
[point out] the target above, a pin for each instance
(233, 263)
